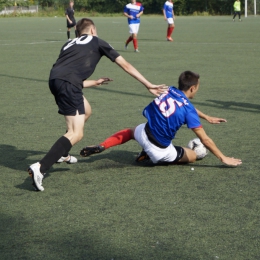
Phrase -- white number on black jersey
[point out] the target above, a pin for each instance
(78, 41)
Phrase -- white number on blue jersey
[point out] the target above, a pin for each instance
(78, 41)
(168, 106)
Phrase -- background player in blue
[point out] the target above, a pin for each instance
(168, 14)
(133, 11)
(165, 115)
(71, 22)
(76, 63)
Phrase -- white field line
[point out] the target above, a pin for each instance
(140, 42)
(29, 43)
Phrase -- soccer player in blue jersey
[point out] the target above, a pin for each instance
(133, 11)
(165, 115)
(168, 14)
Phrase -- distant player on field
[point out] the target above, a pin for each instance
(76, 62)
(133, 11)
(237, 10)
(168, 14)
(71, 22)
(165, 115)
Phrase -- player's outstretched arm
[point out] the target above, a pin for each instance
(210, 119)
(95, 83)
(156, 90)
(208, 142)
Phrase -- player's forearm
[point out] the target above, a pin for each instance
(127, 15)
(138, 15)
(67, 17)
(127, 67)
(202, 115)
(89, 83)
(209, 143)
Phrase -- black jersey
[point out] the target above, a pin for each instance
(70, 13)
(78, 59)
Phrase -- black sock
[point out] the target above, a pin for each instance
(68, 34)
(61, 146)
(67, 153)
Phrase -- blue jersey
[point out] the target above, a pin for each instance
(168, 8)
(167, 113)
(133, 9)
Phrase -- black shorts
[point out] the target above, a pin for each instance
(180, 153)
(70, 25)
(68, 97)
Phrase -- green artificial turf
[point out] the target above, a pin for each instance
(107, 206)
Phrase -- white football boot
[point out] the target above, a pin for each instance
(37, 176)
(69, 159)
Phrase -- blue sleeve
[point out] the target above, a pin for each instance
(125, 9)
(164, 7)
(192, 118)
(141, 9)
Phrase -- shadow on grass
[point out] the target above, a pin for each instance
(126, 158)
(19, 160)
(231, 105)
(30, 79)
(54, 240)
(103, 89)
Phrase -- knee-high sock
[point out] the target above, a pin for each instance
(169, 31)
(135, 42)
(68, 34)
(118, 138)
(129, 40)
(61, 146)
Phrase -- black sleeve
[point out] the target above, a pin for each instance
(107, 50)
(66, 12)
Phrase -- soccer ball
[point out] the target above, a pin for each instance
(197, 146)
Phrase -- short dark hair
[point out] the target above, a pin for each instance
(83, 25)
(188, 79)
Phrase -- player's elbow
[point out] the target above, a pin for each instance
(120, 61)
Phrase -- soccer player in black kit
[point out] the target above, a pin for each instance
(77, 61)
(71, 22)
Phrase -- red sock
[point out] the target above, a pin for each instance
(135, 44)
(129, 40)
(118, 138)
(169, 31)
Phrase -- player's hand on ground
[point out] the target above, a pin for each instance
(158, 90)
(230, 161)
(215, 120)
(103, 81)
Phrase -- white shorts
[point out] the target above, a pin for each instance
(134, 28)
(155, 153)
(170, 21)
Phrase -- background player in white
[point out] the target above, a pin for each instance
(77, 61)
(165, 115)
(168, 14)
(71, 22)
(133, 11)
